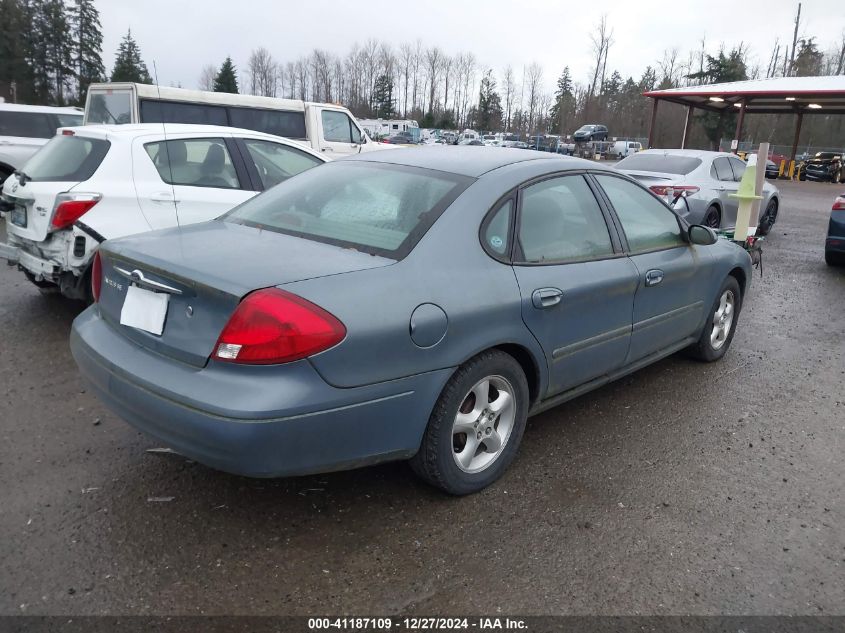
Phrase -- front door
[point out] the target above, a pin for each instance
(339, 135)
(669, 301)
(577, 288)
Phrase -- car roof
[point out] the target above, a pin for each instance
(20, 107)
(466, 160)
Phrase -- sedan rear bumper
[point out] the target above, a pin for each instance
(256, 421)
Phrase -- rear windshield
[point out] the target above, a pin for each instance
(26, 124)
(109, 107)
(665, 163)
(373, 207)
(67, 159)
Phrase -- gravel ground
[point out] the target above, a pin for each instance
(683, 489)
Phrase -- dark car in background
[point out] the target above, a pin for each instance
(825, 167)
(403, 138)
(590, 132)
(834, 245)
(772, 170)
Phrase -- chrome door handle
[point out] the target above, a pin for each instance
(546, 297)
(653, 277)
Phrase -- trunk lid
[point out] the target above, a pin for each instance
(211, 267)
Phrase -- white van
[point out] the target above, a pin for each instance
(323, 127)
(621, 149)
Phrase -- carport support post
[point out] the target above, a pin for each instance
(738, 133)
(687, 125)
(797, 133)
(653, 122)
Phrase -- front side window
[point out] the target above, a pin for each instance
(373, 207)
(560, 220)
(114, 108)
(26, 124)
(647, 223)
(276, 162)
(202, 162)
(337, 127)
(67, 159)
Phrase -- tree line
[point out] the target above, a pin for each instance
(435, 87)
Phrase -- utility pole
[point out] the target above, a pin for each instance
(794, 41)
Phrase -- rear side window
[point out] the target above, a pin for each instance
(647, 223)
(276, 122)
(496, 229)
(26, 124)
(201, 162)
(372, 207)
(67, 159)
(337, 127)
(154, 111)
(110, 108)
(276, 162)
(560, 220)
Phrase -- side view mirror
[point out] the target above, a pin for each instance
(362, 139)
(702, 235)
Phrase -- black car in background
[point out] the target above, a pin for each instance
(590, 132)
(825, 167)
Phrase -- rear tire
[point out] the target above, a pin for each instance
(713, 217)
(834, 259)
(718, 331)
(476, 426)
(769, 218)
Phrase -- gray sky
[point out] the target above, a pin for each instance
(183, 35)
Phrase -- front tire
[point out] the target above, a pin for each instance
(718, 332)
(476, 426)
(769, 218)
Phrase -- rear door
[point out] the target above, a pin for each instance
(670, 296)
(187, 180)
(338, 133)
(577, 287)
(727, 185)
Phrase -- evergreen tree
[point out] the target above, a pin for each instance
(15, 72)
(563, 110)
(128, 65)
(383, 96)
(809, 60)
(489, 115)
(87, 46)
(723, 68)
(227, 79)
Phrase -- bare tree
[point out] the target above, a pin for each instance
(433, 63)
(509, 88)
(207, 77)
(601, 39)
(446, 65)
(534, 84)
(416, 64)
(794, 42)
(263, 73)
(406, 60)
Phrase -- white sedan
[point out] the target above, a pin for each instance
(98, 182)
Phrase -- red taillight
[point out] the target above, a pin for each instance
(70, 207)
(673, 190)
(68, 132)
(272, 326)
(839, 204)
(96, 276)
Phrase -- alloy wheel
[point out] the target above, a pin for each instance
(483, 424)
(723, 319)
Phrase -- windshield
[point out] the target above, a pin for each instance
(586, 128)
(825, 155)
(663, 163)
(374, 207)
(67, 159)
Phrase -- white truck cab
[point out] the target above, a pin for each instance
(323, 127)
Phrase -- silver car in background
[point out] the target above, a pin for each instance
(700, 182)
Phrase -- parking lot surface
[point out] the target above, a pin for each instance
(683, 489)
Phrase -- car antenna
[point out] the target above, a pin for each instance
(166, 144)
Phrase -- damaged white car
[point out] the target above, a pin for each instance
(98, 182)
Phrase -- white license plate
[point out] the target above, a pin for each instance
(144, 309)
(18, 215)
